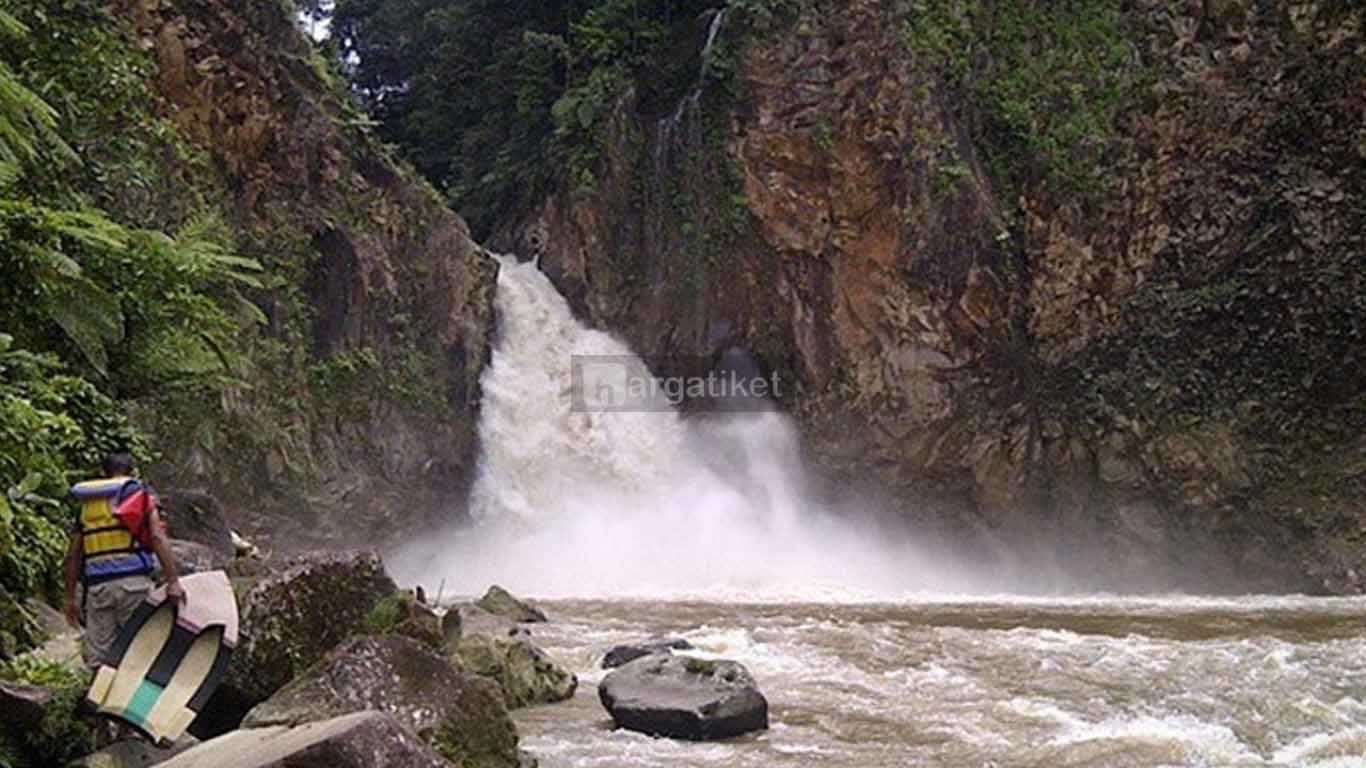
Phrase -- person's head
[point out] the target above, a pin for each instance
(118, 465)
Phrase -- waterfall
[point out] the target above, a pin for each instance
(667, 128)
(571, 502)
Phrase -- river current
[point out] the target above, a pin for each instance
(628, 524)
(1038, 683)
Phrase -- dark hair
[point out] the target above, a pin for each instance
(116, 464)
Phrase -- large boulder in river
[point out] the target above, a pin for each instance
(359, 740)
(628, 652)
(290, 618)
(461, 715)
(500, 602)
(526, 674)
(684, 698)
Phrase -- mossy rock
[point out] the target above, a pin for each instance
(526, 674)
(40, 722)
(500, 602)
(401, 614)
(462, 716)
(292, 619)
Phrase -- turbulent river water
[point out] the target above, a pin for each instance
(633, 524)
(1044, 683)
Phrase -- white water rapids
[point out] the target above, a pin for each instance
(633, 524)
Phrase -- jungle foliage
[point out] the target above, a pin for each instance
(493, 101)
(119, 284)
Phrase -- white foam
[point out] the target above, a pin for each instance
(584, 504)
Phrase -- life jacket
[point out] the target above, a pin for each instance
(115, 535)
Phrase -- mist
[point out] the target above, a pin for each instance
(643, 503)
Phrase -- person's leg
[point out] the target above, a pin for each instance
(101, 622)
(107, 607)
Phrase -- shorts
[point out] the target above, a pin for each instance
(107, 606)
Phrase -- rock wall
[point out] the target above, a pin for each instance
(358, 420)
(1154, 385)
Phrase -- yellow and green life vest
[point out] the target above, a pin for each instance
(109, 549)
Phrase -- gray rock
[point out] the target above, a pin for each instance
(359, 740)
(459, 714)
(452, 629)
(500, 602)
(290, 616)
(684, 698)
(22, 706)
(134, 754)
(196, 515)
(193, 557)
(628, 652)
(526, 674)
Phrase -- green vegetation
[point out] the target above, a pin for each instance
(390, 611)
(121, 284)
(1051, 80)
(63, 734)
(495, 102)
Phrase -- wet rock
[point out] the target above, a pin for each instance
(289, 620)
(628, 652)
(526, 674)
(684, 698)
(462, 716)
(500, 602)
(359, 740)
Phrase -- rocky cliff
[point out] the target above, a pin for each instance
(1130, 354)
(357, 416)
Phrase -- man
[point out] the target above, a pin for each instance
(116, 544)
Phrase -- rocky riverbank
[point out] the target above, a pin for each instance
(336, 666)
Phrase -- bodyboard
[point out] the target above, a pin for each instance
(169, 658)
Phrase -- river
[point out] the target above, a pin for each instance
(708, 529)
(1044, 683)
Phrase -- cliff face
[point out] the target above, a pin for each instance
(1154, 381)
(358, 416)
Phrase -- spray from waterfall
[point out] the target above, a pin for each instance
(581, 503)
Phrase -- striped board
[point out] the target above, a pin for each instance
(169, 658)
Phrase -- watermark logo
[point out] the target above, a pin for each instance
(625, 383)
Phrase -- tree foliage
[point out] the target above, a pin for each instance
(490, 99)
(95, 312)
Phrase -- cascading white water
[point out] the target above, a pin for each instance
(573, 503)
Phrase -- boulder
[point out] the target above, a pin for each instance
(628, 652)
(402, 614)
(290, 619)
(193, 557)
(526, 674)
(196, 515)
(134, 754)
(474, 620)
(452, 629)
(359, 740)
(463, 716)
(500, 602)
(684, 698)
(23, 706)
